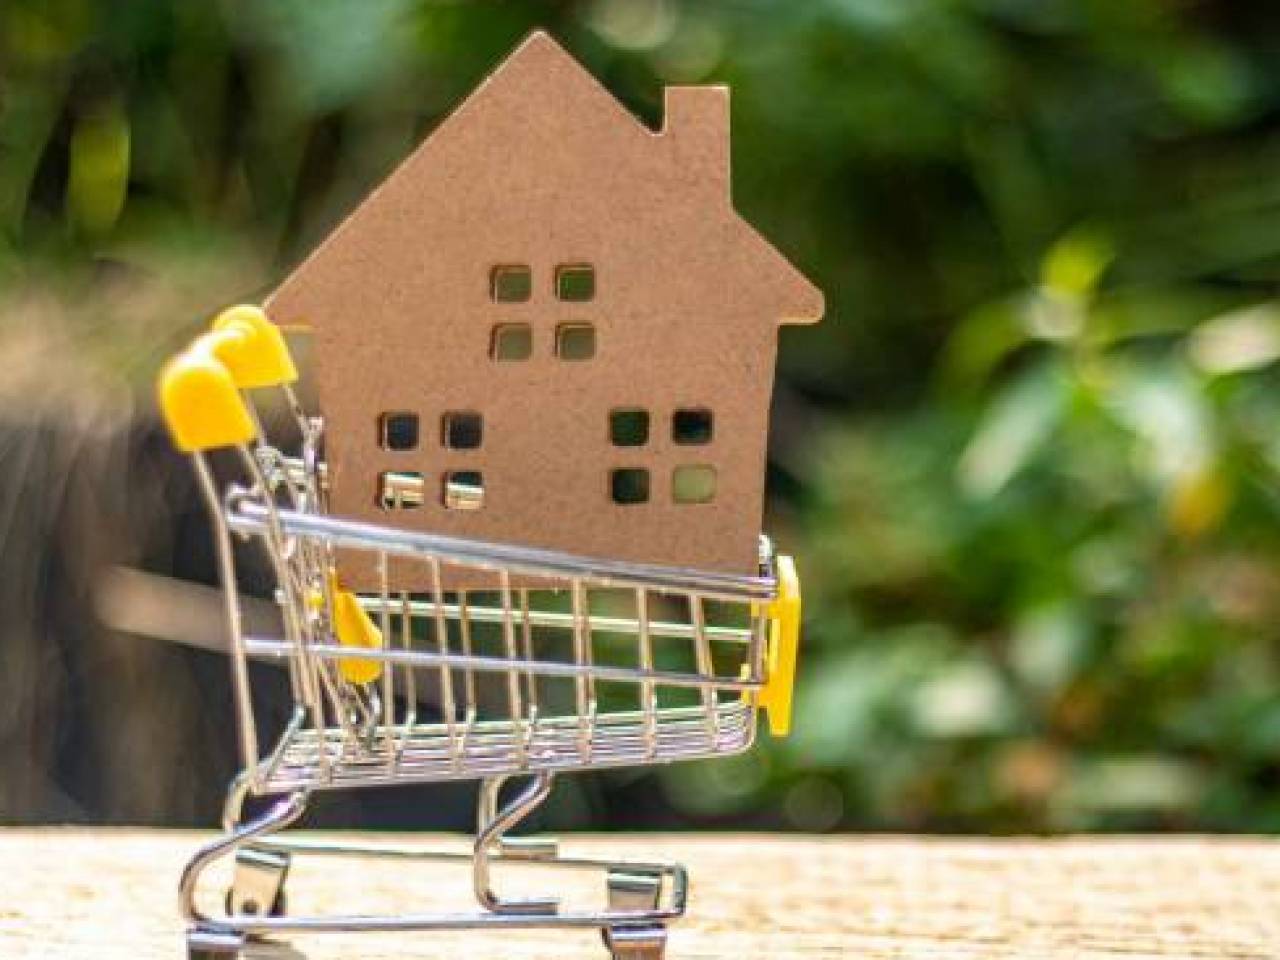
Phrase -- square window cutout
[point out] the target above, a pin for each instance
(629, 428)
(462, 429)
(692, 426)
(463, 490)
(575, 341)
(511, 284)
(576, 283)
(511, 341)
(629, 485)
(693, 483)
(398, 431)
(399, 490)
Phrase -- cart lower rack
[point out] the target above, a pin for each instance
(560, 663)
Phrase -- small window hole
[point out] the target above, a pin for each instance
(511, 341)
(629, 485)
(398, 431)
(629, 428)
(511, 284)
(399, 490)
(463, 490)
(576, 283)
(462, 429)
(575, 341)
(692, 427)
(693, 483)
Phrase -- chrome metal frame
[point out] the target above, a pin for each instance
(522, 683)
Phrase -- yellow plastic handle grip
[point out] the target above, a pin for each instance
(783, 650)
(253, 348)
(202, 407)
(355, 628)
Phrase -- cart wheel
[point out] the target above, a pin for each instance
(279, 906)
(636, 943)
(258, 885)
(207, 945)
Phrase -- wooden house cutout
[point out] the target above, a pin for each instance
(549, 327)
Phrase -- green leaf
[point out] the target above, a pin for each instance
(1017, 425)
(1164, 406)
(1139, 783)
(1048, 644)
(98, 179)
(966, 698)
(1241, 340)
(1075, 264)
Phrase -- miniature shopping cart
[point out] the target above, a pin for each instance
(567, 663)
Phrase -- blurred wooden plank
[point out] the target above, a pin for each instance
(110, 894)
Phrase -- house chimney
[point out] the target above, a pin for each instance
(696, 123)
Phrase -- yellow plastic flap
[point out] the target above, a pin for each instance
(200, 402)
(784, 647)
(253, 348)
(355, 628)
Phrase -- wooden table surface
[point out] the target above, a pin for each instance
(108, 894)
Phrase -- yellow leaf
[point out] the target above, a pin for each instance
(98, 177)
(1074, 265)
(1197, 503)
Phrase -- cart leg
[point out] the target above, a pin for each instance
(211, 945)
(636, 943)
(492, 826)
(632, 890)
(283, 813)
(258, 885)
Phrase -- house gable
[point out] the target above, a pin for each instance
(542, 124)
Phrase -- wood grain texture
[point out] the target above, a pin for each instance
(111, 894)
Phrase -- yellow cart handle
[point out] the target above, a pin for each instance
(252, 348)
(783, 649)
(201, 405)
(200, 397)
(200, 388)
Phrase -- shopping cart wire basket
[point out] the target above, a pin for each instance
(565, 663)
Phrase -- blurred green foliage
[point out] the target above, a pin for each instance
(1030, 463)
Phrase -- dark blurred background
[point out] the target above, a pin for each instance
(1030, 463)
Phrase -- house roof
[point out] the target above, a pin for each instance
(540, 102)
